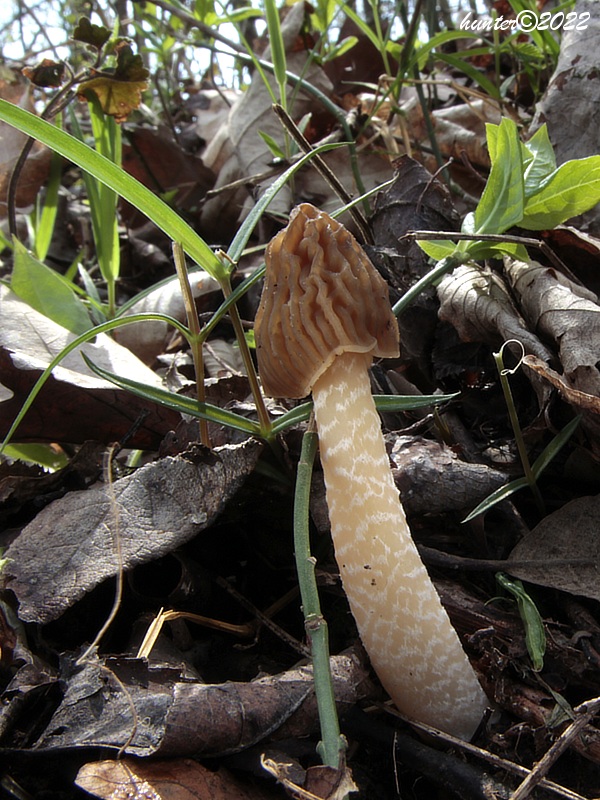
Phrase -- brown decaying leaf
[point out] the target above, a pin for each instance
(74, 405)
(128, 703)
(581, 400)
(70, 547)
(477, 303)
(246, 152)
(319, 783)
(571, 533)
(569, 104)
(564, 311)
(156, 159)
(179, 779)
(117, 98)
(433, 479)
(35, 171)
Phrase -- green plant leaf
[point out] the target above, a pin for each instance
(46, 291)
(495, 497)
(502, 201)
(437, 249)
(116, 178)
(551, 450)
(535, 635)
(572, 189)
(276, 150)
(543, 162)
(278, 55)
(42, 454)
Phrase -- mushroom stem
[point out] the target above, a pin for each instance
(412, 645)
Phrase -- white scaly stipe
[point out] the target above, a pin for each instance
(413, 647)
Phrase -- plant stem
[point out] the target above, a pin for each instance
(266, 425)
(332, 745)
(196, 339)
(514, 421)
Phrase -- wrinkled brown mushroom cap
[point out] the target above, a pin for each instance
(322, 297)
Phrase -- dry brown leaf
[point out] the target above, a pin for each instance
(562, 310)
(252, 113)
(180, 779)
(569, 534)
(148, 339)
(75, 404)
(153, 710)
(477, 303)
(432, 478)
(569, 106)
(581, 400)
(70, 546)
(319, 783)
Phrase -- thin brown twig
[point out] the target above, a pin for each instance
(497, 761)
(324, 170)
(584, 714)
(527, 241)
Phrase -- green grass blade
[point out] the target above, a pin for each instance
(245, 230)
(176, 402)
(278, 56)
(116, 178)
(496, 497)
(45, 217)
(551, 451)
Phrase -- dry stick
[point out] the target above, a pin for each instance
(195, 341)
(485, 755)
(585, 712)
(324, 170)
(543, 246)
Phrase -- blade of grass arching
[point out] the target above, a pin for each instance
(431, 278)
(278, 56)
(107, 137)
(125, 185)
(471, 72)
(104, 327)
(176, 402)
(539, 465)
(496, 497)
(236, 248)
(385, 403)
(551, 450)
(90, 183)
(361, 24)
(420, 53)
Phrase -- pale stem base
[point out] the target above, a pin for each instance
(412, 645)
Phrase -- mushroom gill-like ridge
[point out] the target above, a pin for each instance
(309, 328)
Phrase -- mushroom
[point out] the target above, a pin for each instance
(323, 315)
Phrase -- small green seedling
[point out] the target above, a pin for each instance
(535, 636)
(525, 188)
